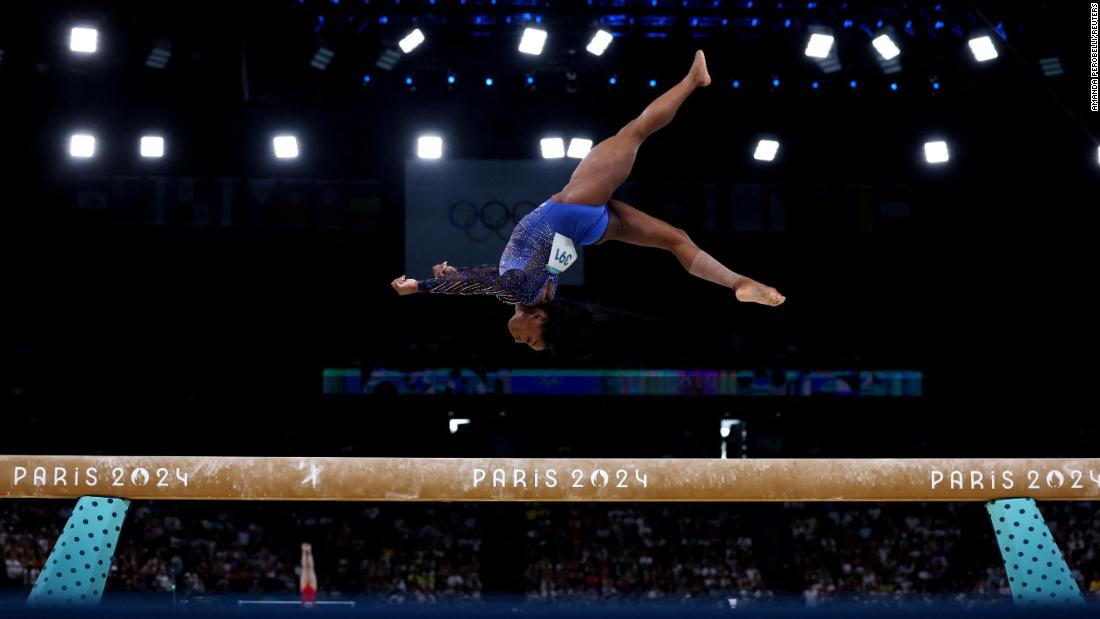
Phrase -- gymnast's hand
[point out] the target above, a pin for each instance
(404, 286)
(440, 270)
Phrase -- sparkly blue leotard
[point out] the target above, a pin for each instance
(523, 271)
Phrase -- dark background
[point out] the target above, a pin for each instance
(120, 334)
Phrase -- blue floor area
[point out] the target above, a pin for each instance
(124, 607)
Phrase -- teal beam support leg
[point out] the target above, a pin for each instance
(1037, 571)
(76, 570)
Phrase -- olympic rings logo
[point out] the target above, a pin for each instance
(480, 223)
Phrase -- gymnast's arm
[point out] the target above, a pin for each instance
(483, 279)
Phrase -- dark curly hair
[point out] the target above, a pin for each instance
(568, 324)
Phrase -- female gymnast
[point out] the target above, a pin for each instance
(542, 244)
(307, 581)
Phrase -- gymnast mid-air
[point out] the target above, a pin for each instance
(544, 242)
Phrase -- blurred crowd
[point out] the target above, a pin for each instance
(821, 553)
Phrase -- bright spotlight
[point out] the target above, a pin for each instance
(819, 45)
(82, 146)
(83, 40)
(429, 147)
(600, 41)
(532, 41)
(578, 148)
(886, 47)
(411, 41)
(552, 148)
(766, 150)
(936, 152)
(152, 146)
(983, 49)
(286, 146)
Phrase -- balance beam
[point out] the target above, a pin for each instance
(538, 479)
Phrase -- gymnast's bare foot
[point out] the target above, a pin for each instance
(698, 71)
(752, 291)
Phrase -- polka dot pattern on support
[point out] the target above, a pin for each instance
(1024, 536)
(80, 549)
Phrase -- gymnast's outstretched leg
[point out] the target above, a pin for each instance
(608, 165)
(628, 224)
